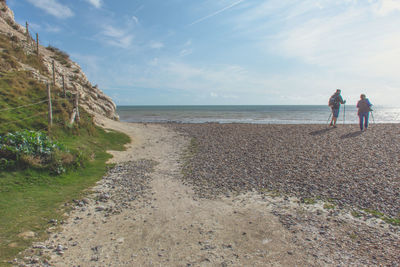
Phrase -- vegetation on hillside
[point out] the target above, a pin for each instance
(12, 53)
(60, 55)
(41, 167)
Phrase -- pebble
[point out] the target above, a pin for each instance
(100, 208)
(307, 162)
(299, 160)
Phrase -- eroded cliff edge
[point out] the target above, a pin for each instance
(91, 97)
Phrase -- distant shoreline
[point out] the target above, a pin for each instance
(255, 114)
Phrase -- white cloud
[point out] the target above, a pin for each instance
(338, 37)
(156, 45)
(331, 44)
(53, 7)
(185, 52)
(95, 3)
(385, 7)
(117, 37)
(135, 19)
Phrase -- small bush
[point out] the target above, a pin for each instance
(34, 149)
(59, 53)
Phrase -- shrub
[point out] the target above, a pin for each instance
(33, 149)
(59, 53)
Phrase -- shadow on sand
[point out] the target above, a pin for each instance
(319, 132)
(351, 135)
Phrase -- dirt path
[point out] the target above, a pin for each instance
(168, 226)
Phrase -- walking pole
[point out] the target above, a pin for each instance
(372, 115)
(328, 119)
(344, 113)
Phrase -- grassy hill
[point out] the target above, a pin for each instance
(32, 191)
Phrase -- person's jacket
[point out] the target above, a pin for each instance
(363, 106)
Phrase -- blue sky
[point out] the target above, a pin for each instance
(175, 52)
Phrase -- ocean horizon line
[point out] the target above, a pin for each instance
(259, 114)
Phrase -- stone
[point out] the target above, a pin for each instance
(27, 235)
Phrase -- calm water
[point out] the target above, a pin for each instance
(250, 114)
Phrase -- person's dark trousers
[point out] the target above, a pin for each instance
(363, 120)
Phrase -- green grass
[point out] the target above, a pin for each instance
(329, 206)
(30, 198)
(382, 216)
(12, 52)
(309, 201)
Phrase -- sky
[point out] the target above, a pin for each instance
(227, 52)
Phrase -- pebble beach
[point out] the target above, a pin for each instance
(342, 165)
(236, 195)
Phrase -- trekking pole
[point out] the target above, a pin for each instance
(372, 115)
(330, 114)
(344, 113)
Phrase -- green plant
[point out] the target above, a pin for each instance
(58, 52)
(329, 206)
(33, 149)
(382, 216)
(356, 214)
(308, 201)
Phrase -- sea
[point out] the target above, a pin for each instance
(269, 114)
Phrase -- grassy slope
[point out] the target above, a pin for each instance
(30, 198)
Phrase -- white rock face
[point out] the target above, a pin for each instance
(91, 98)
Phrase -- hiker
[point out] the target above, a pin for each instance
(334, 102)
(364, 107)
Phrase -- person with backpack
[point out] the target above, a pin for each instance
(334, 102)
(364, 107)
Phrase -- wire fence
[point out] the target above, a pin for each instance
(49, 101)
(25, 119)
(23, 106)
(64, 97)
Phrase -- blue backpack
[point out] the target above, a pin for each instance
(334, 100)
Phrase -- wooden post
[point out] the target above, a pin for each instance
(54, 74)
(73, 115)
(49, 104)
(27, 32)
(37, 44)
(63, 85)
(75, 111)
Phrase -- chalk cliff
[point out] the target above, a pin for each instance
(92, 98)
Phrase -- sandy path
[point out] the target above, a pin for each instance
(170, 227)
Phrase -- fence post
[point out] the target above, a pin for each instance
(75, 110)
(49, 105)
(37, 44)
(63, 85)
(27, 32)
(54, 74)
